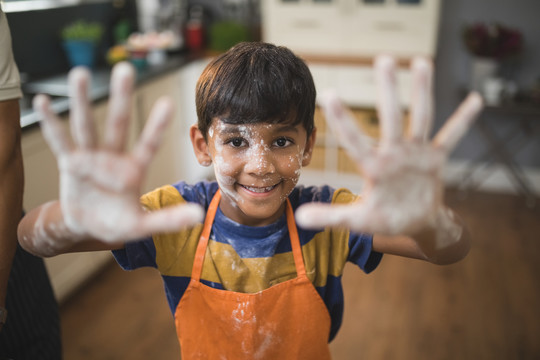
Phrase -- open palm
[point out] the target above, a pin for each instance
(403, 187)
(100, 185)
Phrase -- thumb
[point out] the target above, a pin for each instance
(171, 219)
(316, 216)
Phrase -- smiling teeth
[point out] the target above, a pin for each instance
(260, 189)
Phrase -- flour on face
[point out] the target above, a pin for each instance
(256, 166)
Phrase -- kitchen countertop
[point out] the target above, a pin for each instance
(57, 88)
(366, 61)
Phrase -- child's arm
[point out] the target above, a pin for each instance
(403, 198)
(99, 184)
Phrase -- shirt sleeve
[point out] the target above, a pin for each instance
(10, 84)
(137, 254)
(361, 252)
(360, 244)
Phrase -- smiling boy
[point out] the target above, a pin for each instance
(249, 282)
(255, 106)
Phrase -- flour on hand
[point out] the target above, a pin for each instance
(403, 190)
(100, 184)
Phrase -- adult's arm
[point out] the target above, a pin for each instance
(11, 168)
(11, 187)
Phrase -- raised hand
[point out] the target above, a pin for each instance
(100, 185)
(403, 190)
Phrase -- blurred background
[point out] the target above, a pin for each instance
(485, 307)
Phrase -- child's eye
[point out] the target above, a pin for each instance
(236, 142)
(282, 142)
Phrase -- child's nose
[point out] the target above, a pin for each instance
(260, 162)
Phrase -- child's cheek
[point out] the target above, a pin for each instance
(225, 171)
(221, 156)
(226, 180)
(294, 164)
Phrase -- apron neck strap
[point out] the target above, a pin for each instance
(205, 235)
(203, 240)
(295, 241)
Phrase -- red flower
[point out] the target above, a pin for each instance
(492, 40)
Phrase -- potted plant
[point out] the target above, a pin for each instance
(80, 39)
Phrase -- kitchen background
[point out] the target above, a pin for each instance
(36, 25)
(39, 53)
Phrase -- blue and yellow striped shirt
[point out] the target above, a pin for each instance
(250, 259)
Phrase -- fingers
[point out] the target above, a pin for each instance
(317, 216)
(82, 127)
(388, 107)
(343, 124)
(171, 219)
(122, 80)
(153, 132)
(421, 113)
(458, 124)
(54, 132)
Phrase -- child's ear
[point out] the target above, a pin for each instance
(308, 150)
(200, 146)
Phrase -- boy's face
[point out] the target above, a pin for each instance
(256, 166)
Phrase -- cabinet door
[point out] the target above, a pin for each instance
(359, 28)
(166, 167)
(392, 27)
(192, 170)
(40, 170)
(304, 26)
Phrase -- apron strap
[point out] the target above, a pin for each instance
(295, 241)
(203, 240)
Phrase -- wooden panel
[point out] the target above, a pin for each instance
(329, 152)
(346, 164)
(320, 123)
(317, 159)
(367, 121)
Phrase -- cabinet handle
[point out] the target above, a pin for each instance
(306, 24)
(389, 26)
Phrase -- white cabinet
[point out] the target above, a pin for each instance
(355, 85)
(352, 27)
(166, 167)
(175, 159)
(189, 75)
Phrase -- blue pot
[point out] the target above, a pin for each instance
(80, 52)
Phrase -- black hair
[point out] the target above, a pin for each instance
(256, 82)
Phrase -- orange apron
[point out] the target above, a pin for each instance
(286, 321)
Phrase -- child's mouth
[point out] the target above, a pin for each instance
(259, 190)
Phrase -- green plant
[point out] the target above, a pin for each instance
(83, 31)
(225, 34)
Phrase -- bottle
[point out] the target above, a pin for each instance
(194, 29)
